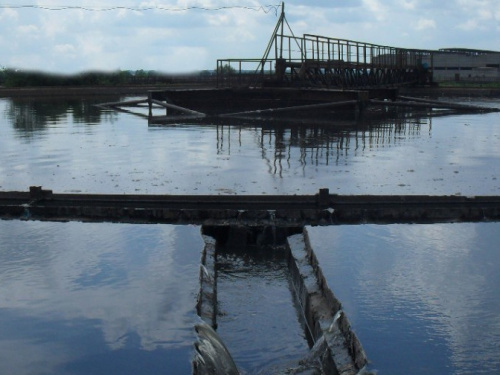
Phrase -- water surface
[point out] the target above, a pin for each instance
(258, 318)
(97, 298)
(105, 298)
(423, 299)
(75, 147)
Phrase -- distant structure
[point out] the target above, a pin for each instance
(462, 64)
(319, 61)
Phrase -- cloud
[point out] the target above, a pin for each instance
(235, 32)
(469, 25)
(8, 14)
(376, 8)
(28, 29)
(425, 24)
(408, 4)
(65, 49)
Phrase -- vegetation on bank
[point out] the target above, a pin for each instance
(20, 78)
(12, 78)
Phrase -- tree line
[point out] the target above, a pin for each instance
(23, 78)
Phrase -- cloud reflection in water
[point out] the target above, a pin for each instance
(74, 291)
(422, 298)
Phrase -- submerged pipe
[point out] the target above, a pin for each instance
(177, 108)
(294, 108)
(127, 103)
(408, 101)
(450, 105)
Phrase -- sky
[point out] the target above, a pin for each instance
(189, 35)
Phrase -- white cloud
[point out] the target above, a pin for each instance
(28, 29)
(218, 20)
(469, 25)
(8, 14)
(408, 4)
(485, 14)
(65, 49)
(112, 36)
(425, 24)
(376, 7)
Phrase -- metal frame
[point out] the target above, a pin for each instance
(314, 60)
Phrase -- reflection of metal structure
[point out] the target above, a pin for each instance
(316, 144)
(312, 60)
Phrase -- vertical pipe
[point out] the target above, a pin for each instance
(304, 49)
(239, 75)
(275, 48)
(432, 67)
(317, 49)
(290, 49)
(217, 72)
(282, 25)
(150, 103)
(357, 54)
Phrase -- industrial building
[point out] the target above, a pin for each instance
(462, 64)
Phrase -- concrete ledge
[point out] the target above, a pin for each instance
(248, 210)
(328, 325)
(206, 305)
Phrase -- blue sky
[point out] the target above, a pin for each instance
(179, 36)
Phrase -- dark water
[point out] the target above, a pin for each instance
(73, 146)
(258, 319)
(102, 298)
(97, 298)
(423, 299)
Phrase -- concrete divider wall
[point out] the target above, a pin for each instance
(322, 311)
(206, 305)
(335, 347)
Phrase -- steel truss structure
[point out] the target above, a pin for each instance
(313, 60)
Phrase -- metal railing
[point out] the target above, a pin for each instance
(324, 51)
(244, 72)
